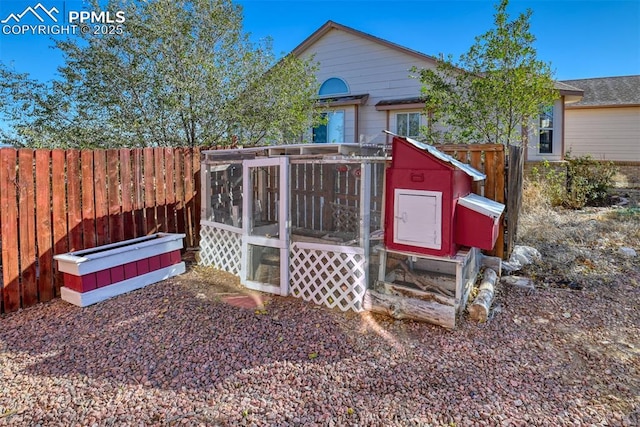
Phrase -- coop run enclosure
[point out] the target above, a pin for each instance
(296, 220)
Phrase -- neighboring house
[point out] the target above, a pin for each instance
(606, 122)
(367, 87)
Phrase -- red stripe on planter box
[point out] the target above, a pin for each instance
(165, 260)
(117, 273)
(103, 278)
(80, 283)
(175, 257)
(130, 270)
(154, 263)
(143, 266)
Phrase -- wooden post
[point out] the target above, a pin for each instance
(514, 196)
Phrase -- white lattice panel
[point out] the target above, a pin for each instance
(327, 276)
(220, 248)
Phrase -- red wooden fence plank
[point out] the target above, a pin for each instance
(74, 206)
(88, 200)
(59, 210)
(170, 194)
(27, 222)
(127, 198)
(149, 191)
(196, 196)
(188, 197)
(138, 194)
(44, 225)
(179, 183)
(161, 210)
(100, 190)
(116, 232)
(9, 221)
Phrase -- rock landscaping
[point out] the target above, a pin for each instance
(198, 350)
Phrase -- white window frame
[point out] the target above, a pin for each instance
(408, 114)
(542, 128)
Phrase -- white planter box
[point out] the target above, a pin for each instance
(93, 275)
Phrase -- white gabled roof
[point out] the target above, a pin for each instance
(475, 174)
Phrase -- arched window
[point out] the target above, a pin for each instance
(333, 86)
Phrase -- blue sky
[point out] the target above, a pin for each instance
(580, 38)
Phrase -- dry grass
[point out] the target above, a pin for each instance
(581, 246)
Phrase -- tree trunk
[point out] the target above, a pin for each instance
(479, 309)
(400, 307)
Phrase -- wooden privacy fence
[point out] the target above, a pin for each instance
(56, 201)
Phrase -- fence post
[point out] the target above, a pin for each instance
(514, 195)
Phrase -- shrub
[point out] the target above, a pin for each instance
(546, 185)
(584, 182)
(588, 181)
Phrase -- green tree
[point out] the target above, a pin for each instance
(176, 73)
(493, 91)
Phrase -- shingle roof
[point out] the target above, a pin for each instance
(607, 91)
(567, 89)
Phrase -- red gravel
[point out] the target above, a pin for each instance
(175, 353)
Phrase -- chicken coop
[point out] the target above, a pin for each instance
(296, 220)
(347, 225)
(434, 229)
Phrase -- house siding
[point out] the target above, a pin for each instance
(367, 68)
(604, 133)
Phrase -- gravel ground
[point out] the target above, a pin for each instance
(181, 352)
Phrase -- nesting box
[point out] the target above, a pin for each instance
(477, 221)
(423, 192)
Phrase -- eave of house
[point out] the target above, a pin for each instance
(400, 104)
(336, 101)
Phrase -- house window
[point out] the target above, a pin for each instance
(333, 130)
(408, 124)
(333, 86)
(546, 131)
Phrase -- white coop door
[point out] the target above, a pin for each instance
(265, 225)
(418, 218)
